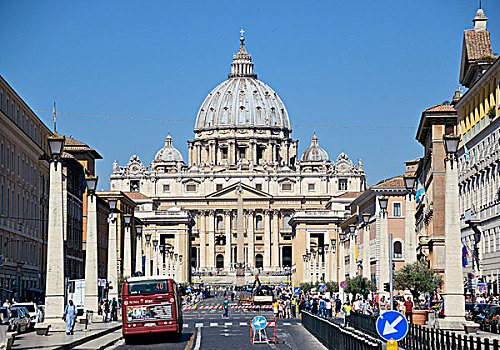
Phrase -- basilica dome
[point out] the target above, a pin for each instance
(242, 101)
(314, 153)
(168, 153)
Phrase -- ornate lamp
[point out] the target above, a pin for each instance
(383, 202)
(148, 237)
(366, 218)
(56, 144)
(410, 181)
(138, 231)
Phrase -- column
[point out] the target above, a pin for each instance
(334, 254)
(454, 302)
(276, 240)
(267, 239)
(127, 253)
(327, 262)
(54, 297)
(352, 261)
(112, 257)
(410, 247)
(227, 232)
(138, 254)
(91, 291)
(384, 254)
(211, 239)
(251, 239)
(203, 240)
(366, 252)
(147, 265)
(341, 257)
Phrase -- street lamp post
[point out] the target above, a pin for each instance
(314, 277)
(112, 251)
(333, 249)
(162, 261)
(138, 251)
(91, 257)
(365, 217)
(54, 289)
(326, 254)
(155, 257)
(127, 247)
(352, 247)
(385, 272)
(147, 265)
(454, 301)
(410, 248)
(304, 258)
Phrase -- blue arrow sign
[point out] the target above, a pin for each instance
(392, 325)
(296, 290)
(322, 287)
(259, 322)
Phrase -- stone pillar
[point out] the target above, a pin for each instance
(54, 287)
(91, 291)
(276, 240)
(267, 239)
(384, 255)
(112, 257)
(327, 263)
(352, 261)
(147, 265)
(138, 254)
(203, 240)
(211, 239)
(227, 232)
(366, 252)
(251, 239)
(240, 230)
(334, 254)
(232, 153)
(341, 257)
(127, 252)
(454, 302)
(410, 246)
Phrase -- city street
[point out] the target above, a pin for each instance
(206, 329)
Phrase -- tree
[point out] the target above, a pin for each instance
(355, 285)
(418, 278)
(332, 287)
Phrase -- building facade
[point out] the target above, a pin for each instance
(23, 197)
(479, 156)
(243, 181)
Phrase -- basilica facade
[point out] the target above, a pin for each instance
(228, 209)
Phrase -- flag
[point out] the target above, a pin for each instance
(420, 192)
(465, 254)
(54, 116)
(466, 154)
(356, 252)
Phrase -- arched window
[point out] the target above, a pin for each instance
(219, 261)
(258, 222)
(286, 218)
(259, 261)
(219, 223)
(398, 250)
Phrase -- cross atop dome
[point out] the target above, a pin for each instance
(242, 65)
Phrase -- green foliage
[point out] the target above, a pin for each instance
(445, 103)
(182, 288)
(354, 285)
(332, 287)
(492, 113)
(121, 279)
(418, 278)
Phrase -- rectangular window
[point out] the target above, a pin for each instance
(310, 187)
(1, 154)
(286, 186)
(258, 187)
(218, 187)
(8, 157)
(166, 188)
(134, 185)
(191, 188)
(342, 184)
(258, 238)
(18, 165)
(241, 152)
(224, 153)
(396, 209)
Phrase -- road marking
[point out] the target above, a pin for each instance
(243, 323)
(213, 324)
(228, 324)
(185, 325)
(198, 340)
(198, 325)
(286, 324)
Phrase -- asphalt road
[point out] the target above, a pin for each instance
(206, 329)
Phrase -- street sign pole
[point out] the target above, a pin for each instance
(391, 271)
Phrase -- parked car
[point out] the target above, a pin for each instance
(21, 319)
(7, 318)
(34, 312)
(490, 321)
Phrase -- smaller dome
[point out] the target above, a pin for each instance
(315, 153)
(168, 153)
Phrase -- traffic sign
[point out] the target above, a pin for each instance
(259, 322)
(281, 285)
(482, 287)
(343, 284)
(392, 325)
(322, 287)
(296, 290)
(188, 289)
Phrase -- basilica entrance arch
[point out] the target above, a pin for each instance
(259, 261)
(219, 261)
(286, 256)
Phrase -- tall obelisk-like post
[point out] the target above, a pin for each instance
(240, 239)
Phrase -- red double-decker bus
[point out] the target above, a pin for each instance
(151, 305)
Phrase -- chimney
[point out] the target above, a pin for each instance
(480, 21)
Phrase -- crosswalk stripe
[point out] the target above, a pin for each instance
(185, 325)
(213, 324)
(228, 324)
(286, 324)
(243, 323)
(198, 325)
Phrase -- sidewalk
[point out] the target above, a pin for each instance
(60, 340)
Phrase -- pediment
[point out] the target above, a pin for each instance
(230, 192)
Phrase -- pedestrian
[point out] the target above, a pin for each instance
(347, 313)
(328, 307)
(409, 309)
(275, 309)
(106, 311)
(225, 304)
(6, 303)
(4, 325)
(70, 316)
(114, 310)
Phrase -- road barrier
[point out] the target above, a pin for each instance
(336, 336)
(220, 306)
(364, 323)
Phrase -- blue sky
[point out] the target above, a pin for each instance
(333, 63)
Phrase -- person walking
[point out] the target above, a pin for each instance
(347, 313)
(106, 311)
(225, 304)
(114, 310)
(409, 310)
(70, 316)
